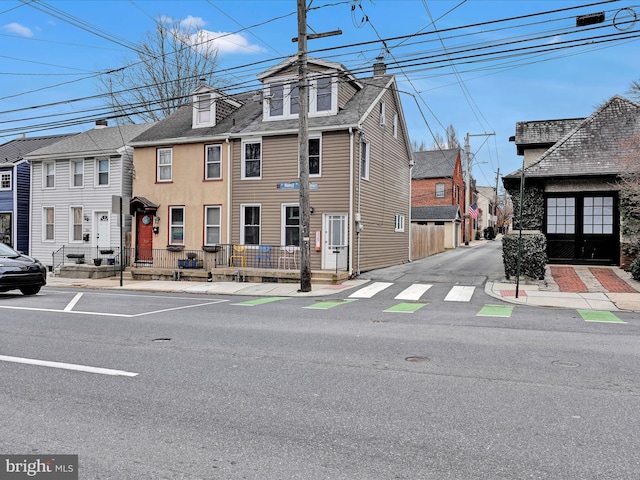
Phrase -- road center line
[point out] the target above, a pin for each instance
(67, 366)
(73, 302)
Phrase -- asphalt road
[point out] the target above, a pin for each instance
(204, 387)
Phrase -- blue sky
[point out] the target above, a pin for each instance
(449, 75)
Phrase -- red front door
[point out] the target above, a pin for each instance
(144, 240)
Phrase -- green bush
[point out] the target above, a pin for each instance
(533, 257)
(634, 269)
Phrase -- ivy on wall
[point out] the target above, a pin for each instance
(533, 211)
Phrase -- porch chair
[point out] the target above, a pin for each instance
(239, 251)
(264, 255)
(288, 256)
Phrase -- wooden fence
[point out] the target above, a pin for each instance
(426, 240)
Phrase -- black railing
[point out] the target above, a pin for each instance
(218, 256)
(80, 254)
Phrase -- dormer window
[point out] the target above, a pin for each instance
(204, 110)
(323, 96)
(281, 100)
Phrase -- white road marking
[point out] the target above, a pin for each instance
(370, 290)
(67, 366)
(73, 302)
(414, 292)
(459, 294)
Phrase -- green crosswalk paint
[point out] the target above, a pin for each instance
(406, 307)
(599, 316)
(327, 305)
(259, 301)
(495, 311)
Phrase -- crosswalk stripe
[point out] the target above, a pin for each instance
(599, 316)
(370, 290)
(259, 301)
(328, 304)
(459, 294)
(414, 292)
(406, 307)
(495, 311)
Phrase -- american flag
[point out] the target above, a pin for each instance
(472, 210)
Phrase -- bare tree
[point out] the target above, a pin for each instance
(634, 90)
(170, 62)
(452, 137)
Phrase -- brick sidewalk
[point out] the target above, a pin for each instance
(592, 279)
(568, 280)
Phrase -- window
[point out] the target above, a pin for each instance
(76, 224)
(250, 218)
(291, 225)
(5, 181)
(281, 100)
(176, 229)
(213, 169)
(164, 164)
(294, 99)
(561, 215)
(5, 229)
(48, 223)
(364, 159)
(598, 215)
(399, 222)
(204, 110)
(49, 175)
(323, 95)
(252, 159)
(276, 100)
(383, 116)
(102, 174)
(395, 125)
(77, 173)
(212, 225)
(314, 157)
(439, 190)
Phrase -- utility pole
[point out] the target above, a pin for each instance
(467, 182)
(495, 200)
(303, 144)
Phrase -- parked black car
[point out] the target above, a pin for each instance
(19, 272)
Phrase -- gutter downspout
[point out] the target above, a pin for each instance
(351, 185)
(358, 213)
(229, 175)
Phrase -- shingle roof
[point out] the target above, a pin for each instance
(97, 141)
(543, 133)
(14, 150)
(435, 213)
(434, 163)
(600, 145)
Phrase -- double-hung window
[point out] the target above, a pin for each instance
(164, 163)
(291, 225)
(323, 98)
(77, 173)
(399, 222)
(48, 223)
(213, 169)
(5, 181)
(439, 190)
(276, 100)
(250, 218)
(252, 159)
(102, 171)
(176, 227)
(48, 175)
(314, 157)
(76, 224)
(364, 159)
(212, 217)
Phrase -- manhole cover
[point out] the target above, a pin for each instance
(417, 359)
(561, 363)
(160, 340)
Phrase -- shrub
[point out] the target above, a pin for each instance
(634, 269)
(533, 258)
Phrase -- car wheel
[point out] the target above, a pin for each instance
(30, 290)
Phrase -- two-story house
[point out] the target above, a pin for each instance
(437, 192)
(73, 182)
(15, 188)
(359, 165)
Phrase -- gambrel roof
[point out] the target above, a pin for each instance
(434, 163)
(601, 144)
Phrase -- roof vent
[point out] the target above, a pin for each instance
(101, 123)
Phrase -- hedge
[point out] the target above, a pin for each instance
(533, 257)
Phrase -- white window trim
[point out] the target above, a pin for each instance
(206, 161)
(395, 125)
(400, 218)
(170, 165)
(196, 110)
(71, 224)
(313, 97)
(312, 137)
(243, 206)
(171, 225)
(97, 175)
(44, 224)
(206, 225)
(283, 224)
(288, 84)
(444, 190)
(2, 174)
(383, 116)
(243, 163)
(44, 175)
(72, 173)
(365, 144)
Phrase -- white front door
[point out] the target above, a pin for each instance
(102, 230)
(335, 250)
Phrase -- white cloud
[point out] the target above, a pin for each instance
(18, 29)
(225, 42)
(192, 23)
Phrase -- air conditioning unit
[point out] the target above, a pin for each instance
(383, 120)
